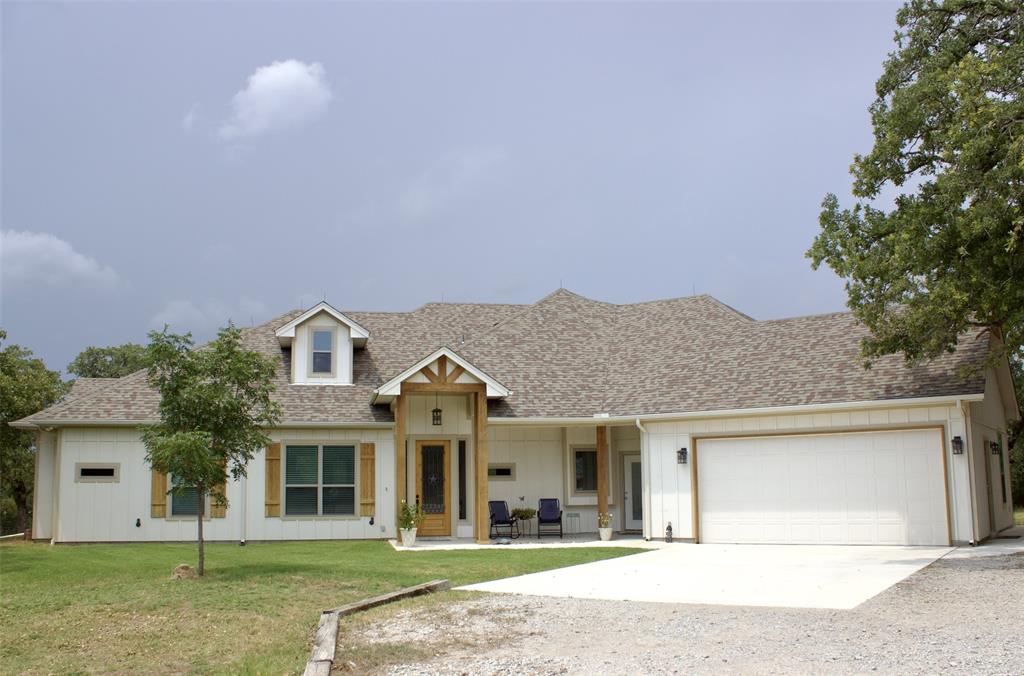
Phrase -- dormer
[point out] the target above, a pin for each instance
(322, 340)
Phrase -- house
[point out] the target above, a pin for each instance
(680, 412)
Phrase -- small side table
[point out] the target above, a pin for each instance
(572, 522)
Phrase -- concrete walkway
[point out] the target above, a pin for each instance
(794, 576)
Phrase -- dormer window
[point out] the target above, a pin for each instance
(322, 342)
(322, 359)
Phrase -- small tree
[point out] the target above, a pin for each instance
(109, 362)
(215, 403)
(26, 386)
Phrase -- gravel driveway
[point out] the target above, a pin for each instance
(955, 616)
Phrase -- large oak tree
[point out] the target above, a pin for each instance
(948, 122)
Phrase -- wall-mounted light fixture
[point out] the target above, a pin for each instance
(996, 448)
(681, 456)
(958, 446)
(435, 415)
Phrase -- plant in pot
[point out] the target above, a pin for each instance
(604, 525)
(524, 515)
(409, 519)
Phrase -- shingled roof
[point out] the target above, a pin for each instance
(570, 356)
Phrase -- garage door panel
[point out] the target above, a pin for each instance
(861, 488)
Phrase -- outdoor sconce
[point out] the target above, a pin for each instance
(681, 456)
(996, 450)
(958, 446)
(435, 415)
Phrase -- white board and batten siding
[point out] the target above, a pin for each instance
(107, 512)
(260, 527)
(670, 488)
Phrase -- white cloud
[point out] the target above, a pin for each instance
(41, 258)
(184, 315)
(191, 117)
(281, 95)
(453, 175)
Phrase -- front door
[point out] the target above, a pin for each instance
(432, 487)
(632, 498)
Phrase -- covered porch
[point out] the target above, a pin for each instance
(452, 462)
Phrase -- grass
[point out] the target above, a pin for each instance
(1018, 516)
(102, 608)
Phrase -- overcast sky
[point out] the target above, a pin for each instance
(188, 163)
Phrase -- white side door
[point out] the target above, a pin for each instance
(632, 497)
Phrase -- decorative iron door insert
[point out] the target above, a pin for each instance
(433, 489)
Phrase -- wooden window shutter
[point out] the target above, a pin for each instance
(158, 495)
(272, 498)
(367, 480)
(219, 511)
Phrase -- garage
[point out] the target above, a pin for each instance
(871, 488)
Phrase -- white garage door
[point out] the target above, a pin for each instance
(865, 488)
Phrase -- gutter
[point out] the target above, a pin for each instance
(42, 424)
(597, 419)
(739, 412)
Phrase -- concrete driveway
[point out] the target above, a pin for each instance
(793, 576)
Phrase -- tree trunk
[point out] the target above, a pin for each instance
(202, 551)
(21, 520)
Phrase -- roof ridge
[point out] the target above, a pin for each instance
(778, 320)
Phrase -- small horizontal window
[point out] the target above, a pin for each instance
(96, 472)
(506, 471)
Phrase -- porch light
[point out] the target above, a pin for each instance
(435, 415)
(958, 446)
(681, 456)
(995, 448)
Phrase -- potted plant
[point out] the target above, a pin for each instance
(604, 525)
(409, 519)
(524, 516)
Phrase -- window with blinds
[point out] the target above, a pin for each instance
(320, 480)
(184, 500)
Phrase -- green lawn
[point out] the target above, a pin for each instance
(115, 608)
(1018, 516)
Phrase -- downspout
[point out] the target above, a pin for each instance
(245, 508)
(645, 473)
(965, 411)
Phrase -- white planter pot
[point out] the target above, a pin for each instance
(408, 536)
(605, 533)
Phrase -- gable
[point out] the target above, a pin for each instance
(441, 368)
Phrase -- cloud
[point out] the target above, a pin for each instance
(453, 175)
(191, 117)
(281, 95)
(184, 315)
(41, 258)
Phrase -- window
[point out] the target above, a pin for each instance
(184, 501)
(97, 473)
(585, 463)
(462, 479)
(323, 349)
(506, 471)
(320, 480)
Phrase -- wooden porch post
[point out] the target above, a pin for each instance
(602, 469)
(400, 459)
(483, 518)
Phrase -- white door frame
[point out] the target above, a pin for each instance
(628, 522)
